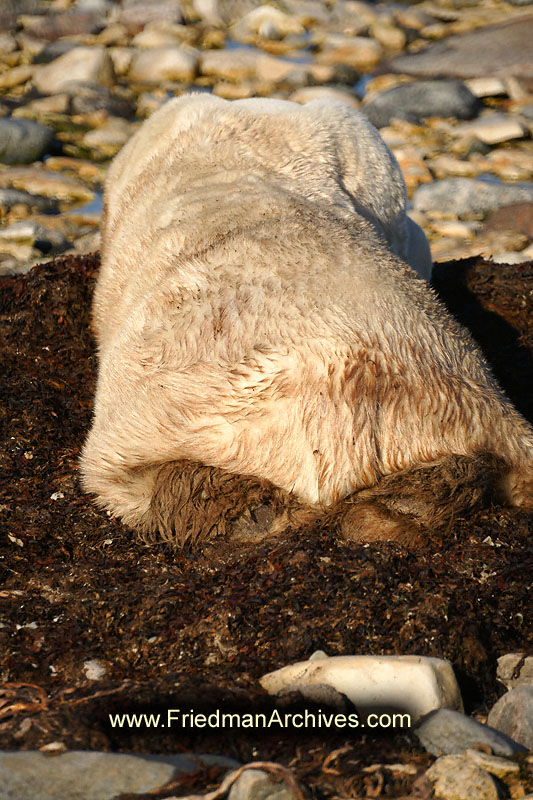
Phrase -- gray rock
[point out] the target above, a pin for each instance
(500, 50)
(88, 97)
(53, 50)
(81, 775)
(415, 101)
(457, 778)
(445, 732)
(464, 196)
(515, 669)
(513, 715)
(23, 141)
(255, 784)
(14, 197)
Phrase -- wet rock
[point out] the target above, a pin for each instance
(36, 180)
(23, 141)
(135, 14)
(493, 128)
(88, 97)
(415, 684)
(93, 775)
(499, 50)
(356, 52)
(256, 784)
(81, 64)
(464, 196)
(513, 715)
(445, 732)
(167, 63)
(16, 76)
(14, 197)
(415, 101)
(457, 778)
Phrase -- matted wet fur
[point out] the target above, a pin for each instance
(263, 346)
(192, 502)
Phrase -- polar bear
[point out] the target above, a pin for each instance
(264, 331)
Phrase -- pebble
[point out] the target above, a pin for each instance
(357, 52)
(136, 14)
(516, 669)
(518, 218)
(36, 180)
(14, 197)
(232, 65)
(416, 684)
(164, 63)
(81, 64)
(90, 97)
(457, 778)
(446, 732)
(30, 233)
(308, 93)
(255, 784)
(467, 196)
(493, 128)
(90, 775)
(109, 137)
(16, 76)
(420, 99)
(93, 670)
(513, 715)
(23, 141)
(500, 767)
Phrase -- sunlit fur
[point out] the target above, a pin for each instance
(254, 314)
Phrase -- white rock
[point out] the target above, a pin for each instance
(94, 670)
(81, 64)
(233, 65)
(308, 93)
(492, 129)
(457, 778)
(271, 22)
(417, 684)
(486, 87)
(166, 63)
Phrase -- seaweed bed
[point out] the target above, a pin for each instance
(174, 628)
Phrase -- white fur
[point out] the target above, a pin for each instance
(251, 315)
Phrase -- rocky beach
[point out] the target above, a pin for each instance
(92, 621)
